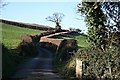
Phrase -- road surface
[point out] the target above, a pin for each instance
(37, 68)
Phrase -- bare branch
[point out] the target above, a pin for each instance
(56, 18)
(3, 3)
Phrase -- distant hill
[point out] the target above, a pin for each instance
(26, 25)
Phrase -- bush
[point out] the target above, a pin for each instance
(63, 54)
(96, 64)
(100, 64)
(27, 49)
(51, 47)
(10, 61)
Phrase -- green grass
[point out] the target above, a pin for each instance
(82, 41)
(11, 35)
(81, 38)
(0, 32)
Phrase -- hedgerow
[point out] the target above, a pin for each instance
(103, 65)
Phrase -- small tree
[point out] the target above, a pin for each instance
(56, 18)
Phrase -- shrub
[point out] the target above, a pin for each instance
(10, 61)
(69, 68)
(49, 46)
(27, 49)
(63, 57)
(63, 54)
(104, 65)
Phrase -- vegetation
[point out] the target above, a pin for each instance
(26, 49)
(56, 18)
(102, 65)
(10, 61)
(51, 47)
(61, 37)
(81, 39)
(102, 22)
(11, 35)
(11, 58)
(101, 58)
(94, 19)
(13, 51)
(96, 64)
(3, 4)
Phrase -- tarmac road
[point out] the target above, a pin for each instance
(37, 68)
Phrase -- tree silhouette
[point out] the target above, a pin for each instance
(56, 18)
(3, 3)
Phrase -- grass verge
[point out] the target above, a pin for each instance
(11, 36)
(10, 62)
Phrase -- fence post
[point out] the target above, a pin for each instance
(79, 69)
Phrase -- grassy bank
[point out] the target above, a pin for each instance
(11, 35)
(11, 38)
(10, 62)
(81, 39)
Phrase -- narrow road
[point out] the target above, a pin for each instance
(37, 68)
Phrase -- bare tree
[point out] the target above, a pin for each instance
(3, 3)
(56, 18)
